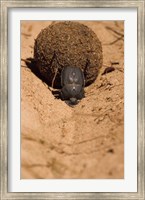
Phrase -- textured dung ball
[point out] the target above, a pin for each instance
(65, 44)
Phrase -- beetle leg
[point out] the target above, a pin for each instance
(86, 68)
(54, 62)
(56, 70)
(54, 65)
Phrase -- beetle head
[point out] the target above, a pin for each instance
(73, 101)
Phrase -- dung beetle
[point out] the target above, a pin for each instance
(73, 83)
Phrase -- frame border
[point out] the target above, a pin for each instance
(5, 5)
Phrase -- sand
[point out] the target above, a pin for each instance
(87, 141)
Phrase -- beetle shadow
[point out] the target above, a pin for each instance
(31, 64)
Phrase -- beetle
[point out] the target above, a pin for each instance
(73, 83)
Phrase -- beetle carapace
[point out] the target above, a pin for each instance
(72, 82)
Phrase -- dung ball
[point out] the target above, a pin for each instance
(64, 44)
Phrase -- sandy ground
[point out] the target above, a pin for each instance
(87, 141)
